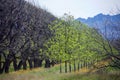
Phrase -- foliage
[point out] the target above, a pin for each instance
(73, 40)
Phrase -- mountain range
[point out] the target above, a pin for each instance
(107, 25)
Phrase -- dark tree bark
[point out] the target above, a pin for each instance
(20, 65)
(35, 63)
(15, 63)
(7, 66)
(74, 65)
(52, 63)
(1, 70)
(70, 67)
(0, 62)
(24, 65)
(30, 63)
(65, 66)
(1, 66)
(40, 62)
(78, 66)
(47, 63)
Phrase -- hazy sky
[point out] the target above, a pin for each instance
(80, 8)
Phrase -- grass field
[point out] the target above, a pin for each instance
(53, 74)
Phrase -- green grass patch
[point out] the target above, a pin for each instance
(53, 74)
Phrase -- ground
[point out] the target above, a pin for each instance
(54, 74)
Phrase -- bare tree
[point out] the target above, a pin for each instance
(23, 31)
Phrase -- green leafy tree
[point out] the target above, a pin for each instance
(72, 40)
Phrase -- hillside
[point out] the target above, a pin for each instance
(104, 23)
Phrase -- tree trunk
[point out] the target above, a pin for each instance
(1, 67)
(65, 66)
(15, 64)
(40, 62)
(24, 65)
(74, 66)
(20, 65)
(78, 66)
(6, 66)
(30, 63)
(35, 63)
(69, 66)
(60, 67)
(0, 63)
(83, 63)
(47, 63)
(53, 63)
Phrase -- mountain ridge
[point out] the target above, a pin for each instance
(102, 21)
(100, 15)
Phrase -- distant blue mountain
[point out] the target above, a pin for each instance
(104, 23)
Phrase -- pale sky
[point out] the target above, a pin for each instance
(80, 8)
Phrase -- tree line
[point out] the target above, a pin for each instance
(75, 40)
(23, 31)
(30, 35)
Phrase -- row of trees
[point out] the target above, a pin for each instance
(23, 31)
(74, 40)
(29, 34)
